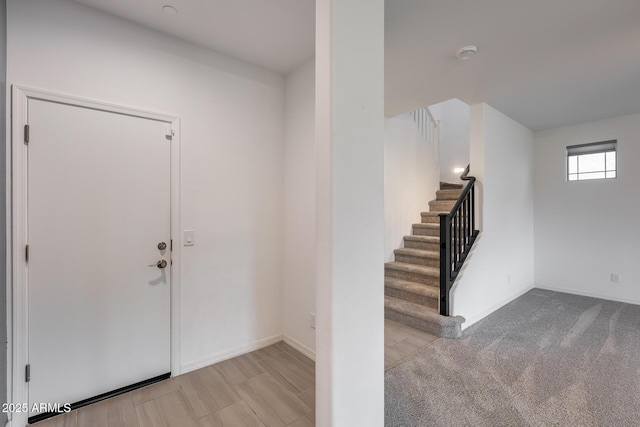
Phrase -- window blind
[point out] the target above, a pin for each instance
(592, 148)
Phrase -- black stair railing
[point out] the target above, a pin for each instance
(457, 234)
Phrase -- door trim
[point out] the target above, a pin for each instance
(17, 273)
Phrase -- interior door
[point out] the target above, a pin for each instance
(98, 214)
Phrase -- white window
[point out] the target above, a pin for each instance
(592, 161)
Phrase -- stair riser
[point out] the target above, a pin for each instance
(419, 231)
(434, 219)
(448, 195)
(417, 260)
(425, 246)
(448, 186)
(411, 297)
(412, 322)
(423, 325)
(441, 205)
(430, 219)
(412, 277)
(435, 233)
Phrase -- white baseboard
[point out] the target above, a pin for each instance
(588, 294)
(300, 347)
(476, 318)
(228, 354)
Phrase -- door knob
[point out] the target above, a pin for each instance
(160, 264)
(162, 246)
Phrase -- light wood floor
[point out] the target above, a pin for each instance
(273, 386)
(401, 341)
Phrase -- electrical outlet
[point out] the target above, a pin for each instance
(615, 277)
(312, 320)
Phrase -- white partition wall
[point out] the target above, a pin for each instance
(500, 267)
(350, 213)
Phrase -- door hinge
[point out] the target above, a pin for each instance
(168, 132)
(27, 373)
(26, 253)
(26, 134)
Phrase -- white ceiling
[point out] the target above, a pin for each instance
(545, 63)
(275, 34)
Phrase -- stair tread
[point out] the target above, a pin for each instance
(419, 238)
(413, 287)
(436, 213)
(414, 268)
(417, 252)
(449, 186)
(426, 225)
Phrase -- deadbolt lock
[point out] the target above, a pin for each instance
(162, 246)
(160, 264)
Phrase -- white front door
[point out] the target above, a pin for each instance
(98, 196)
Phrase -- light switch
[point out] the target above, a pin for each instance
(188, 238)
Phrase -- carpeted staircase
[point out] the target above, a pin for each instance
(412, 281)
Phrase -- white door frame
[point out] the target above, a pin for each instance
(17, 273)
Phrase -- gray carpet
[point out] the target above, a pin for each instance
(546, 359)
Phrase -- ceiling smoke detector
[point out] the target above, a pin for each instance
(467, 52)
(169, 10)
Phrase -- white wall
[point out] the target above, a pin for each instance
(411, 178)
(500, 268)
(232, 116)
(300, 209)
(454, 138)
(349, 213)
(3, 218)
(586, 230)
